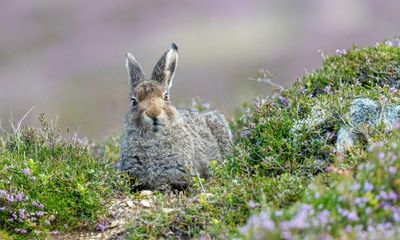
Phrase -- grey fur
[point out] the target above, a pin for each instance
(180, 150)
(135, 72)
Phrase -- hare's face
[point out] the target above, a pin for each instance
(151, 109)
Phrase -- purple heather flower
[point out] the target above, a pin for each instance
(32, 219)
(39, 213)
(19, 197)
(392, 195)
(26, 171)
(348, 229)
(382, 195)
(388, 43)
(355, 187)
(330, 135)
(54, 232)
(33, 178)
(23, 231)
(3, 193)
(282, 100)
(2, 209)
(21, 213)
(392, 170)
(244, 133)
(342, 212)
(341, 51)
(206, 105)
(10, 198)
(359, 202)
(352, 216)
(393, 90)
(101, 227)
(37, 205)
(368, 187)
(286, 235)
(380, 155)
(323, 217)
(327, 89)
(385, 205)
(396, 216)
(10, 220)
(251, 204)
(266, 222)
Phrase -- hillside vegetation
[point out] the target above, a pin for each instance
(292, 172)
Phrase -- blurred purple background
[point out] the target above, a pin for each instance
(66, 58)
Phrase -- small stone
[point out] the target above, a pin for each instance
(146, 193)
(345, 139)
(145, 203)
(129, 203)
(168, 210)
(114, 224)
(209, 195)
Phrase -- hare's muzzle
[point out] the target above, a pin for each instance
(152, 117)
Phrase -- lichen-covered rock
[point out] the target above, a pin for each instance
(391, 117)
(316, 119)
(345, 139)
(363, 111)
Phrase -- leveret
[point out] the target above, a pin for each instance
(164, 147)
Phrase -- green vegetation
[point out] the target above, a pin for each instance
(49, 183)
(283, 179)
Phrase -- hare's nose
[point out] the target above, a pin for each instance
(156, 121)
(153, 112)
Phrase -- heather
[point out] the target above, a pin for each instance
(50, 183)
(317, 160)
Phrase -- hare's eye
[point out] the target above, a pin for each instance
(134, 102)
(166, 97)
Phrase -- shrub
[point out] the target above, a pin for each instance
(365, 206)
(48, 182)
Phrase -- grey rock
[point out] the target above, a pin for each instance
(346, 138)
(391, 117)
(364, 111)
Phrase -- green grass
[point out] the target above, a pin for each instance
(283, 170)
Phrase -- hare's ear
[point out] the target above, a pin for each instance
(135, 71)
(165, 68)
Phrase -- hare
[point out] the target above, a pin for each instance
(163, 146)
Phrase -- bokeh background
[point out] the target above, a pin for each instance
(66, 58)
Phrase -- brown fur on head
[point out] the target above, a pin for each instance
(151, 108)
